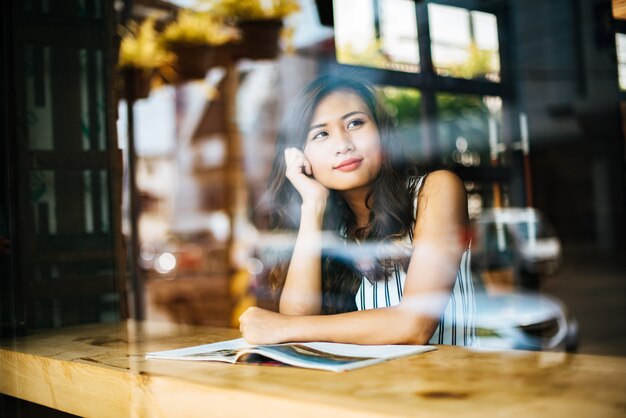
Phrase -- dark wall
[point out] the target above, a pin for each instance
(11, 317)
(60, 235)
(566, 75)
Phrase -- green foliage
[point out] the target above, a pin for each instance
(239, 10)
(140, 47)
(480, 63)
(198, 28)
(371, 57)
(404, 104)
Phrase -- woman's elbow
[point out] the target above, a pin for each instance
(417, 335)
(417, 330)
(297, 305)
(420, 338)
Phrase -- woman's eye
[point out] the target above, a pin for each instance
(355, 123)
(319, 135)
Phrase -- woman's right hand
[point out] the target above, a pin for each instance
(300, 174)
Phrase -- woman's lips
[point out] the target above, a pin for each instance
(349, 165)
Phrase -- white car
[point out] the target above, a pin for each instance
(516, 237)
(524, 321)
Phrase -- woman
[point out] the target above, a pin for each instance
(339, 167)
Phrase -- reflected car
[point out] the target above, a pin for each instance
(522, 238)
(524, 321)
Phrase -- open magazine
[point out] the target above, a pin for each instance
(317, 355)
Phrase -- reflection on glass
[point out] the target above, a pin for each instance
(105, 215)
(520, 238)
(96, 201)
(404, 105)
(40, 121)
(464, 43)
(65, 202)
(620, 42)
(378, 33)
(524, 321)
(38, 93)
(92, 101)
(88, 201)
(469, 135)
(91, 9)
(42, 196)
(466, 124)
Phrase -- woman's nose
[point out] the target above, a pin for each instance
(344, 143)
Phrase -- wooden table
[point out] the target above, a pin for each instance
(100, 370)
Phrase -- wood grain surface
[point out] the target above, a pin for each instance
(100, 371)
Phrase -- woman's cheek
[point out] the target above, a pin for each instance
(314, 160)
(318, 171)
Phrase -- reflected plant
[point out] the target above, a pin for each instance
(468, 110)
(463, 116)
(404, 104)
(198, 28)
(240, 10)
(140, 46)
(479, 64)
(372, 56)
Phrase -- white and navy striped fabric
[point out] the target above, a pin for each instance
(456, 326)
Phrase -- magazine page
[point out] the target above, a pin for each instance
(316, 355)
(301, 356)
(378, 351)
(222, 351)
(330, 356)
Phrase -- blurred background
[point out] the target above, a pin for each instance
(137, 138)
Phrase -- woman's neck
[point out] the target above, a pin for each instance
(356, 201)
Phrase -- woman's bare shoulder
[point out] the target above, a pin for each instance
(442, 182)
(442, 198)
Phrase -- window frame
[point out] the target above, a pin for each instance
(429, 83)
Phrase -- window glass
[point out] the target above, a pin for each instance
(404, 104)
(42, 196)
(464, 43)
(377, 33)
(40, 121)
(65, 197)
(620, 42)
(38, 104)
(92, 100)
(90, 9)
(469, 129)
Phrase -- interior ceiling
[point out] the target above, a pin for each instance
(619, 9)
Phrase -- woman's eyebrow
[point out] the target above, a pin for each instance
(319, 125)
(347, 115)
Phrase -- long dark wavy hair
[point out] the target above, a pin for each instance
(391, 199)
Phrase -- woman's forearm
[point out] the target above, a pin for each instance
(394, 325)
(302, 292)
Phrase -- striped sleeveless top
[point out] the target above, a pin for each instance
(456, 325)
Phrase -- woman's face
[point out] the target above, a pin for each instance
(343, 143)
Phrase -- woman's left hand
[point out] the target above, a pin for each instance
(260, 326)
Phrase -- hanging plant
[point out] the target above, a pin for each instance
(243, 10)
(140, 55)
(261, 22)
(199, 41)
